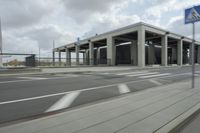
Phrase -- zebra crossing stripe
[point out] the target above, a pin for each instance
(128, 73)
(141, 74)
(156, 75)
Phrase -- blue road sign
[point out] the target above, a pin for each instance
(192, 14)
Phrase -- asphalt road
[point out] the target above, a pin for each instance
(26, 96)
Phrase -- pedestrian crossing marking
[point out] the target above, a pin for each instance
(128, 73)
(33, 78)
(141, 74)
(156, 75)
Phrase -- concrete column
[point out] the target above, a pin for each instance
(151, 54)
(98, 56)
(180, 52)
(164, 50)
(53, 58)
(133, 48)
(87, 57)
(77, 54)
(174, 54)
(59, 58)
(141, 47)
(84, 58)
(91, 57)
(111, 51)
(198, 54)
(68, 57)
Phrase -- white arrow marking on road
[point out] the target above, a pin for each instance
(123, 88)
(64, 102)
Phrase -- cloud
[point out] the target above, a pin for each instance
(82, 10)
(30, 24)
(20, 13)
(176, 25)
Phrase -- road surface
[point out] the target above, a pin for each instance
(27, 96)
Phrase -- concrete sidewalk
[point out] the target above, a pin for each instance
(160, 109)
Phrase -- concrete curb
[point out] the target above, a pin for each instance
(86, 71)
(178, 123)
(24, 70)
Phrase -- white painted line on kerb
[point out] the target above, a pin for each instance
(155, 82)
(64, 102)
(157, 75)
(141, 74)
(128, 73)
(123, 88)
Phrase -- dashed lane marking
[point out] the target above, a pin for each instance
(64, 102)
(123, 88)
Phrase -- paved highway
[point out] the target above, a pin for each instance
(27, 96)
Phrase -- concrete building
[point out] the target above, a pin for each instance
(139, 44)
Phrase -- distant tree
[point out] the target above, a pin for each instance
(14, 62)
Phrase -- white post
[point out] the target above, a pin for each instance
(111, 51)
(53, 54)
(141, 47)
(91, 47)
(98, 56)
(77, 54)
(164, 50)
(180, 52)
(68, 57)
(59, 57)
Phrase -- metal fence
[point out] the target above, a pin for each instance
(63, 62)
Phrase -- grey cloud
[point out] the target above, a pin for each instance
(179, 27)
(82, 10)
(42, 35)
(20, 13)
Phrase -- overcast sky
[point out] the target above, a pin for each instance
(30, 24)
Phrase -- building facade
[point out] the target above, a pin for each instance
(139, 44)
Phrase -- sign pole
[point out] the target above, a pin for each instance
(193, 50)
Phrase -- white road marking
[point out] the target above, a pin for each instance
(104, 73)
(64, 102)
(37, 78)
(128, 73)
(26, 80)
(81, 90)
(123, 88)
(141, 74)
(156, 75)
(155, 82)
